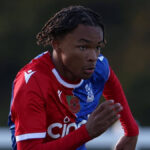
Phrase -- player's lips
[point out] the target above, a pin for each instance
(89, 70)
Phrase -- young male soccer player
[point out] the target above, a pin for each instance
(56, 92)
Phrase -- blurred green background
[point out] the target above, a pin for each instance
(127, 25)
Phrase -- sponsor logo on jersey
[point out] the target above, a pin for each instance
(90, 95)
(57, 130)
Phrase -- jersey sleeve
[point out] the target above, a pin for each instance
(27, 109)
(113, 90)
(69, 142)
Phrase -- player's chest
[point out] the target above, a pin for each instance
(60, 113)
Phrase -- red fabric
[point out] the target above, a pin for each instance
(43, 120)
(70, 142)
(36, 97)
(113, 90)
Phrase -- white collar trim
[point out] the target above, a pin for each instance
(64, 83)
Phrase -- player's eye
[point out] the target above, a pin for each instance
(83, 48)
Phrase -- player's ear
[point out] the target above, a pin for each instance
(55, 45)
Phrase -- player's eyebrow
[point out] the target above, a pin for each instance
(88, 41)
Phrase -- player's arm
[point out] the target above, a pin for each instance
(71, 141)
(113, 90)
(28, 113)
(99, 121)
(34, 121)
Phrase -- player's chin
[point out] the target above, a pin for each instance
(86, 75)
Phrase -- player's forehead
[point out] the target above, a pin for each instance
(87, 34)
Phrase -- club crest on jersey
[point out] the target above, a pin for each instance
(90, 95)
(74, 103)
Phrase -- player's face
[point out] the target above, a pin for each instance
(78, 52)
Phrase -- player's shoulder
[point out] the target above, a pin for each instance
(102, 60)
(102, 67)
(37, 69)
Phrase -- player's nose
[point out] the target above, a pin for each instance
(92, 55)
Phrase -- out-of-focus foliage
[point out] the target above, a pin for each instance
(128, 40)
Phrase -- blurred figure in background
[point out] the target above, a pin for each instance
(55, 97)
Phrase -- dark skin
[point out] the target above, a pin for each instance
(75, 57)
(76, 54)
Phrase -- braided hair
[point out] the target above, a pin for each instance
(65, 21)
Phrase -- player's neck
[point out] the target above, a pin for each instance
(62, 70)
